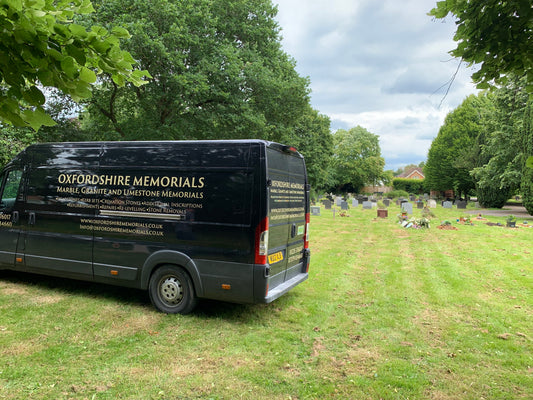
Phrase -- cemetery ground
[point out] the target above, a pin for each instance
(387, 313)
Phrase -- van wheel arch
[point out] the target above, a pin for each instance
(171, 290)
(170, 257)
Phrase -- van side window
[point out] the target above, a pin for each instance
(10, 188)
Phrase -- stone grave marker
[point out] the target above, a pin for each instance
(344, 205)
(338, 201)
(407, 207)
(461, 205)
(419, 204)
(315, 210)
(447, 204)
(386, 202)
(412, 198)
(327, 204)
(367, 205)
(355, 203)
(432, 203)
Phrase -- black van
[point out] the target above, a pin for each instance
(225, 220)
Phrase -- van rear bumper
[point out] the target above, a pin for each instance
(284, 287)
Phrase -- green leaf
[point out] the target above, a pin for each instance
(87, 75)
(119, 79)
(69, 66)
(78, 30)
(529, 162)
(120, 32)
(77, 53)
(37, 118)
(86, 7)
(46, 77)
(34, 96)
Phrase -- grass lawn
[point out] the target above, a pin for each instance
(387, 313)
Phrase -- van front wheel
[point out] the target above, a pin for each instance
(171, 290)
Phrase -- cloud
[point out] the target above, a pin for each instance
(382, 65)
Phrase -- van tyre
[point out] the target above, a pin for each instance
(171, 290)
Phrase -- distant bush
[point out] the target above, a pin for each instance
(415, 186)
(397, 193)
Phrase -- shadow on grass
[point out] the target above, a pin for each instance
(133, 297)
(206, 309)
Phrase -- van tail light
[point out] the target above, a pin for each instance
(306, 235)
(261, 242)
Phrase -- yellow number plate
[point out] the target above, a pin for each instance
(276, 257)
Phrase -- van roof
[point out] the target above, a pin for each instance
(148, 143)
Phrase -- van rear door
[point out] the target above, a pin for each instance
(287, 209)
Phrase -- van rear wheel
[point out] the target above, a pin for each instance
(171, 290)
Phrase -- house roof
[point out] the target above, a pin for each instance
(413, 173)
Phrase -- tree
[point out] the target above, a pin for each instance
(527, 170)
(452, 154)
(218, 67)
(496, 34)
(42, 47)
(503, 154)
(313, 139)
(356, 159)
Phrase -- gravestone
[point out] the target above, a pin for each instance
(355, 203)
(338, 201)
(412, 198)
(315, 210)
(407, 207)
(367, 205)
(327, 204)
(344, 205)
(447, 204)
(461, 205)
(432, 203)
(386, 202)
(426, 196)
(419, 204)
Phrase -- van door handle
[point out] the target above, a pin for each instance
(31, 220)
(15, 217)
(293, 230)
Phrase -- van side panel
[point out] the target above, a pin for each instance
(194, 199)
(54, 242)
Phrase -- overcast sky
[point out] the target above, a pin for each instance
(381, 64)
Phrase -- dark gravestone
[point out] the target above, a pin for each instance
(344, 205)
(461, 204)
(327, 204)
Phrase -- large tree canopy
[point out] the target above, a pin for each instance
(218, 68)
(40, 46)
(503, 145)
(356, 159)
(453, 153)
(496, 34)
